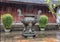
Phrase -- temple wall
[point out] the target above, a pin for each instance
(12, 9)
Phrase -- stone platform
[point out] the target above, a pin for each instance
(51, 36)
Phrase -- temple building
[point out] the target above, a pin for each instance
(27, 7)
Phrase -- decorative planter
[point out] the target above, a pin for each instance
(59, 27)
(7, 30)
(42, 29)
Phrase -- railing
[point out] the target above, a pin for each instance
(14, 24)
(48, 24)
(35, 24)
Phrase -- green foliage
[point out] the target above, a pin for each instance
(7, 21)
(43, 20)
(58, 0)
(47, 1)
(54, 6)
(58, 14)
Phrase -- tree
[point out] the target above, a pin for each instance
(51, 7)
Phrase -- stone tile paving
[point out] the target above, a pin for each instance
(32, 40)
(51, 36)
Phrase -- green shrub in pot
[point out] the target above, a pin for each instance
(42, 21)
(7, 21)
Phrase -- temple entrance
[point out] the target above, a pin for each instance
(26, 9)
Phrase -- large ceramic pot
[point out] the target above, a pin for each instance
(27, 20)
(28, 31)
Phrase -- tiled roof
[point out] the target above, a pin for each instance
(34, 1)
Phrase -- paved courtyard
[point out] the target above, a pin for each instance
(50, 36)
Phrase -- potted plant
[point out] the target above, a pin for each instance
(42, 21)
(7, 22)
